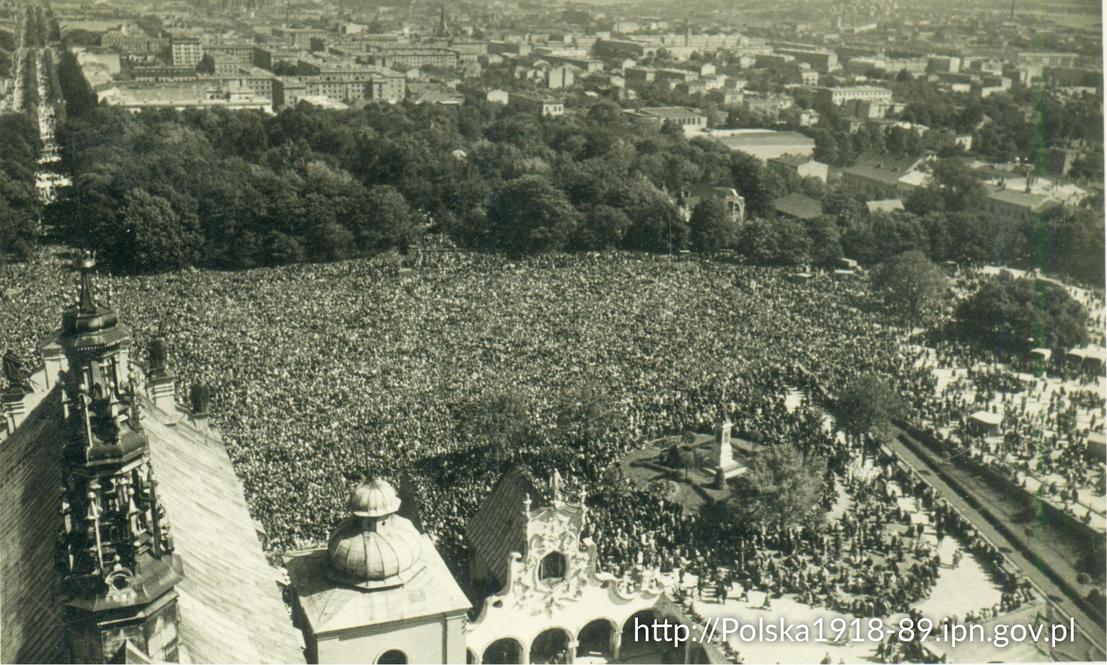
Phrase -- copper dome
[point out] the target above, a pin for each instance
(374, 548)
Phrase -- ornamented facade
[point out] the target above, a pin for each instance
(115, 550)
(554, 606)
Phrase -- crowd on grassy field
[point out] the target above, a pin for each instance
(323, 374)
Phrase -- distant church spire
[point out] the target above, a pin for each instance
(443, 27)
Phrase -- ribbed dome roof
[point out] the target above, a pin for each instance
(373, 498)
(375, 548)
(388, 556)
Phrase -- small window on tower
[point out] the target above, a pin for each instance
(552, 568)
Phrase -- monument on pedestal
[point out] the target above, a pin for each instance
(723, 455)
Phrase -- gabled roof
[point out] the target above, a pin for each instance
(230, 606)
(792, 160)
(886, 169)
(499, 528)
(798, 206)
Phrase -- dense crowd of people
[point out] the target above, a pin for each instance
(323, 374)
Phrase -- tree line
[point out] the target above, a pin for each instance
(19, 204)
(160, 190)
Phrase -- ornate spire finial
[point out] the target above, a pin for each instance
(86, 302)
(555, 485)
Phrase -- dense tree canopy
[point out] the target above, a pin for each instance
(866, 406)
(780, 487)
(1010, 314)
(19, 204)
(529, 214)
(712, 227)
(315, 184)
(911, 285)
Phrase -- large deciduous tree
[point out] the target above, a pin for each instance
(158, 237)
(911, 285)
(713, 228)
(529, 214)
(781, 487)
(1013, 314)
(866, 406)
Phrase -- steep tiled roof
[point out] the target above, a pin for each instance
(885, 169)
(498, 528)
(230, 606)
(32, 628)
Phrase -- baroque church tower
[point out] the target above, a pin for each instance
(115, 549)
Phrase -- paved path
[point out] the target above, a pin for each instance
(1052, 562)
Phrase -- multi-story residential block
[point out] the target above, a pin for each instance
(404, 57)
(691, 121)
(543, 106)
(133, 40)
(242, 54)
(185, 51)
(883, 176)
(563, 76)
(843, 94)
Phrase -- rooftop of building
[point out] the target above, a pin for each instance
(1016, 197)
(671, 111)
(498, 528)
(885, 168)
(799, 206)
(856, 88)
(32, 625)
(229, 603)
(189, 93)
(759, 137)
(214, 536)
(793, 160)
(330, 606)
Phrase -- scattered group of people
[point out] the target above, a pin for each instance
(1041, 423)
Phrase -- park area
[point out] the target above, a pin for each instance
(444, 370)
